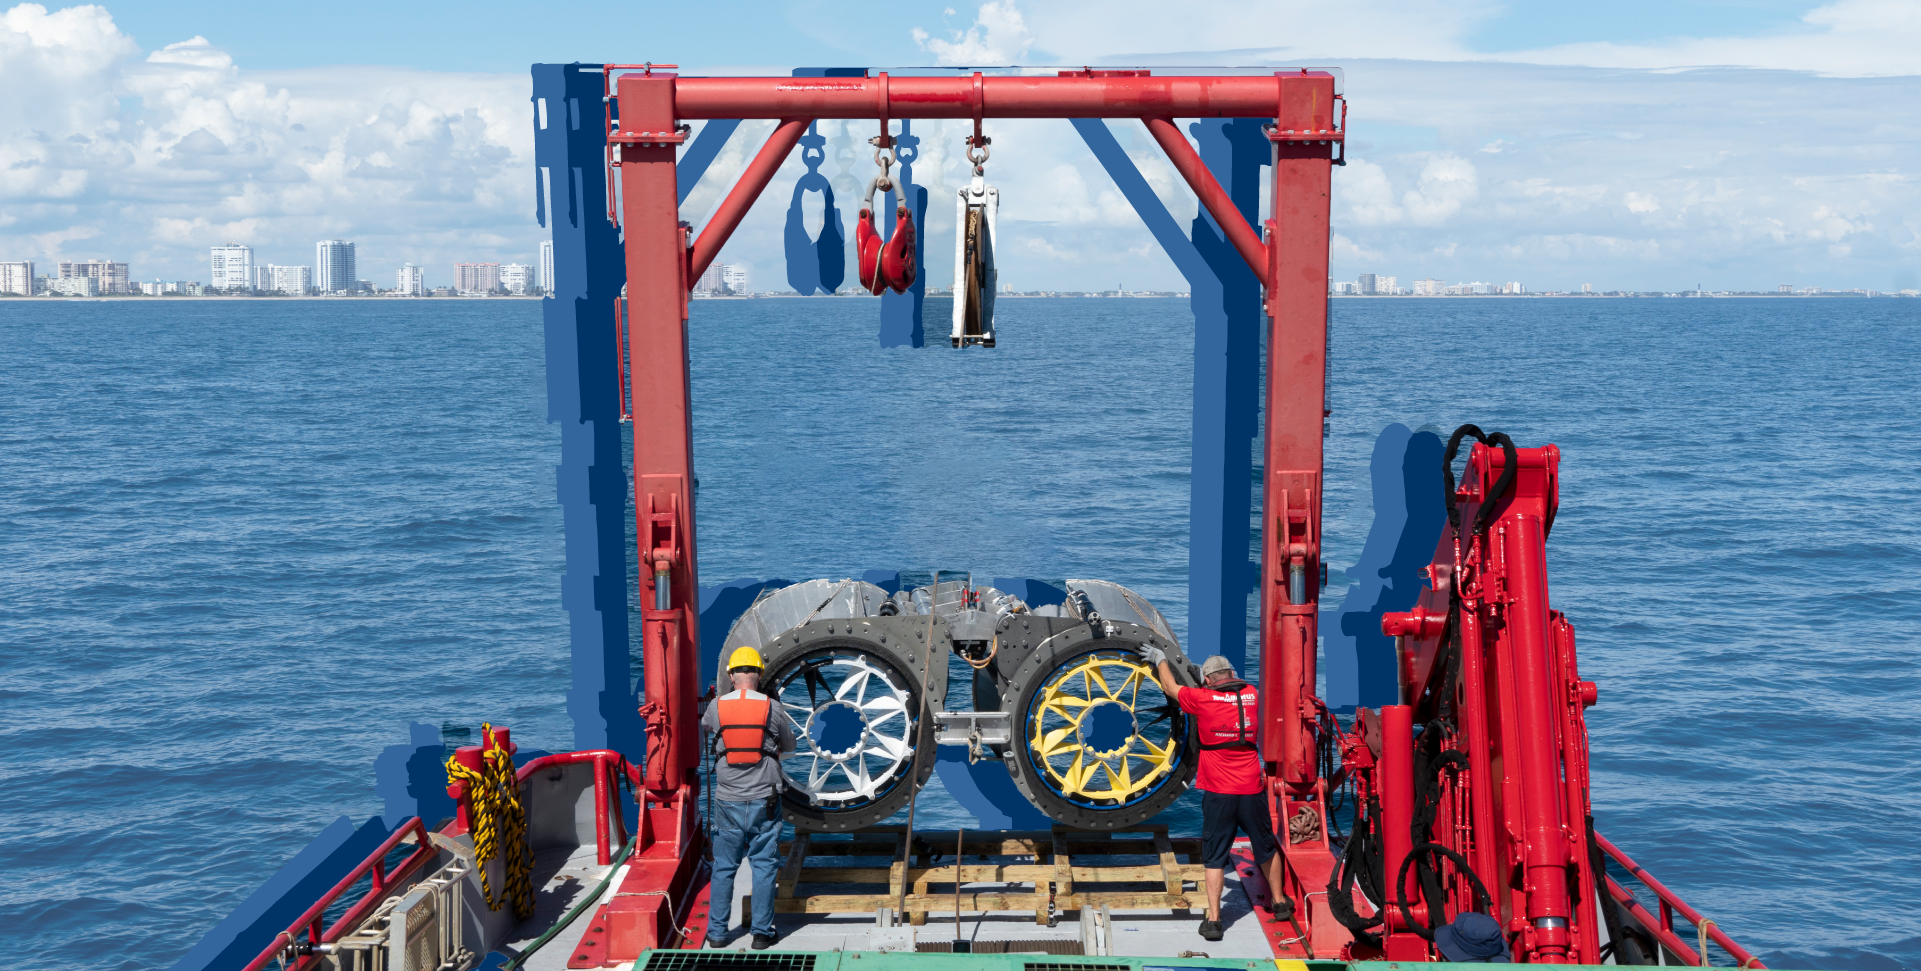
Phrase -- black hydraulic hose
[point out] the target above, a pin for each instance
(1483, 902)
(1508, 470)
(1361, 860)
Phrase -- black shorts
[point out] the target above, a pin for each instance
(1221, 815)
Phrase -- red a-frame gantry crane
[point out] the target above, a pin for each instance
(1290, 259)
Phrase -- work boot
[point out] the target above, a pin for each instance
(1210, 930)
(764, 941)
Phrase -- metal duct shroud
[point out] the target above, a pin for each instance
(849, 681)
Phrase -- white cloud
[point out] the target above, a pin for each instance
(1851, 38)
(1458, 168)
(1447, 183)
(998, 36)
(1254, 31)
(1340, 247)
(152, 160)
(1641, 202)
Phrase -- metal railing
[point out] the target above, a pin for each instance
(1662, 927)
(312, 929)
(608, 765)
(312, 924)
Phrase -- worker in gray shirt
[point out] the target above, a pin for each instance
(752, 733)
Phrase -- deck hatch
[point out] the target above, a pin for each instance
(1011, 947)
(726, 961)
(1073, 966)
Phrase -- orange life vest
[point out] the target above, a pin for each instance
(743, 726)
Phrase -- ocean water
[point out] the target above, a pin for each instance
(245, 543)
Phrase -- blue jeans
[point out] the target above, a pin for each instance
(743, 828)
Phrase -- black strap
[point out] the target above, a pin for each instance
(1240, 716)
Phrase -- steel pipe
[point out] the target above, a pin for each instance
(1219, 205)
(714, 235)
(1076, 96)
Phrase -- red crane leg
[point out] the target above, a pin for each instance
(657, 287)
(1296, 304)
(1546, 859)
(1296, 408)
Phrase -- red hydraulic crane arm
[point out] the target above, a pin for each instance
(1488, 669)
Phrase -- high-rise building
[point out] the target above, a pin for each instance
(1429, 287)
(112, 276)
(1513, 288)
(710, 281)
(75, 286)
(294, 281)
(17, 278)
(734, 278)
(1587, 288)
(409, 280)
(476, 277)
(334, 267)
(1368, 284)
(1785, 288)
(546, 264)
(518, 278)
(232, 267)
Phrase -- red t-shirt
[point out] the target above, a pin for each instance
(1226, 771)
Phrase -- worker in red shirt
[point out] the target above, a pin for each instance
(1226, 710)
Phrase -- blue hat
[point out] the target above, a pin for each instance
(1472, 938)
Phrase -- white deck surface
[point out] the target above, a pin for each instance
(1136, 933)
(567, 875)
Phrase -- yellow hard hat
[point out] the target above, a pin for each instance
(744, 657)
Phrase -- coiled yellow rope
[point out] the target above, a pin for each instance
(496, 814)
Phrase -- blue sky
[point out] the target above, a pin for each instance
(1636, 144)
(500, 36)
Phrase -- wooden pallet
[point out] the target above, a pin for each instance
(1059, 874)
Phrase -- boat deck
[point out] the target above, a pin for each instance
(562, 876)
(1137, 933)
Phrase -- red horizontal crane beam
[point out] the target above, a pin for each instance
(1078, 96)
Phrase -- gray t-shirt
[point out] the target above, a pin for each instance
(748, 783)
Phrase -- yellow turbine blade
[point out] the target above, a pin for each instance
(1050, 744)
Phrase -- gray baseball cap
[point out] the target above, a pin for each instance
(1215, 665)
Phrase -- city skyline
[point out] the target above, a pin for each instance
(1633, 164)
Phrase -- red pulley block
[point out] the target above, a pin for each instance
(889, 263)
(868, 244)
(897, 258)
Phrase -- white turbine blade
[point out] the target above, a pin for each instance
(854, 685)
(884, 703)
(894, 749)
